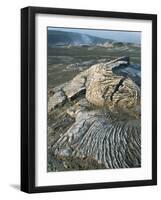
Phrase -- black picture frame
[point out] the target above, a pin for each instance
(28, 98)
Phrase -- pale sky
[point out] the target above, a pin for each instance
(121, 36)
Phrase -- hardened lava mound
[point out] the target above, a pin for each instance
(94, 119)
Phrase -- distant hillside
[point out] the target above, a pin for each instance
(58, 38)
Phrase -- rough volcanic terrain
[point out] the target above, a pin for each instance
(94, 118)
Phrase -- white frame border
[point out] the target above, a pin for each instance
(42, 178)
